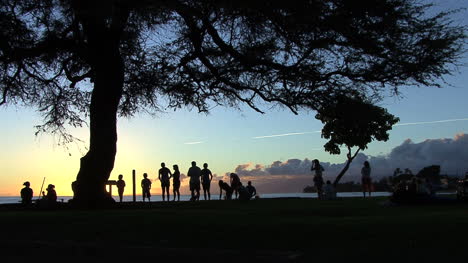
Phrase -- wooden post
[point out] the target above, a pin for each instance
(134, 185)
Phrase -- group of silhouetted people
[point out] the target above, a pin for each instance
(199, 179)
(241, 192)
(48, 199)
(414, 189)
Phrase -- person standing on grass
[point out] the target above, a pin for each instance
(176, 182)
(164, 175)
(194, 173)
(120, 187)
(235, 183)
(206, 177)
(318, 179)
(366, 180)
(146, 187)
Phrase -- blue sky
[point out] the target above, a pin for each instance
(225, 138)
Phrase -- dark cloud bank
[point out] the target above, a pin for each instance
(293, 174)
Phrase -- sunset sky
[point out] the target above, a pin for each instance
(227, 139)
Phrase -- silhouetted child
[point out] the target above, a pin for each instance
(251, 189)
(194, 173)
(206, 178)
(235, 183)
(26, 194)
(318, 179)
(120, 187)
(366, 180)
(164, 176)
(51, 194)
(329, 191)
(146, 187)
(176, 182)
(227, 189)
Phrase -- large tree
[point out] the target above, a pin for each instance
(84, 58)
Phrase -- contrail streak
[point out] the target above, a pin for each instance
(429, 122)
(190, 143)
(284, 134)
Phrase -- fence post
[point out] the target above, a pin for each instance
(134, 185)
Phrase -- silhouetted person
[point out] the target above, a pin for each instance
(176, 182)
(164, 176)
(251, 189)
(146, 187)
(413, 187)
(430, 187)
(366, 180)
(318, 179)
(227, 189)
(120, 187)
(329, 191)
(26, 194)
(51, 194)
(421, 188)
(206, 177)
(244, 194)
(194, 173)
(235, 183)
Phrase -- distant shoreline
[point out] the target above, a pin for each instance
(158, 198)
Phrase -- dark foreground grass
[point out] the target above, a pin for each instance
(265, 230)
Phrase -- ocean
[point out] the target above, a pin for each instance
(158, 198)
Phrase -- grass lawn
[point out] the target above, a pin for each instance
(265, 230)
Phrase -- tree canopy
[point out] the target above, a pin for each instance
(353, 122)
(80, 59)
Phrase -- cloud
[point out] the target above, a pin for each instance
(294, 174)
(250, 170)
(290, 167)
(450, 154)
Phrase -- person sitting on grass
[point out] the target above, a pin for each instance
(251, 189)
(26, 194)
(329, 191)
(227, 189)
(244, 194)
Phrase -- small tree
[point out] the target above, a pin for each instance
(353, 122)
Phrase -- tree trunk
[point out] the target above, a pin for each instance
(97, 164)
(343, 171)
